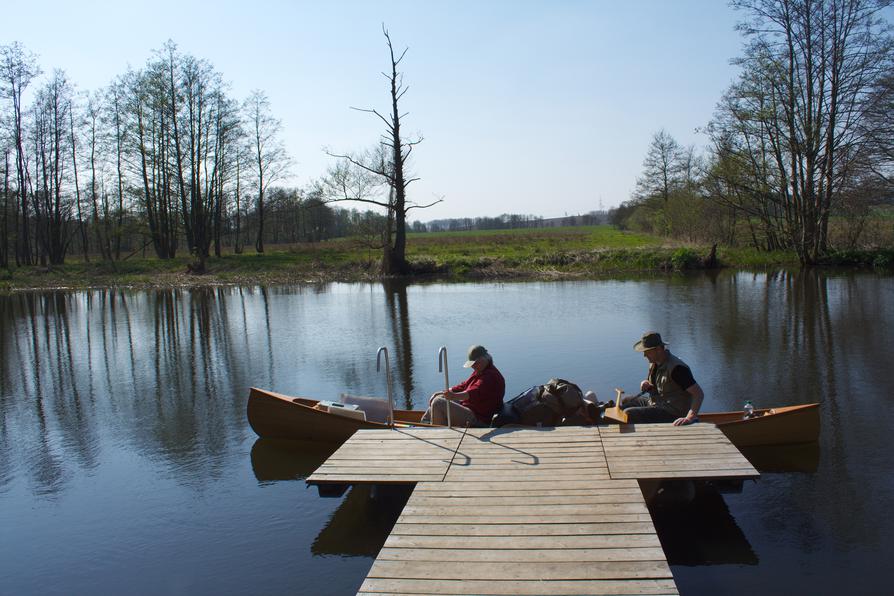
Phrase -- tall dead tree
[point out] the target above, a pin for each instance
(350, 179)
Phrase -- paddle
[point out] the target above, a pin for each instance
(616, 413)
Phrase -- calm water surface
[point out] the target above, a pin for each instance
(127, 465)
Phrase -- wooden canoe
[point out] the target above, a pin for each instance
(277, 416)
(770, 426)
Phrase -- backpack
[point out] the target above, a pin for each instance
(542, 405)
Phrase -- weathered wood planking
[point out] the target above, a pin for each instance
(396, 456)
(524, 525)
(527, 511)
(663, 451)
(456, 587)
(543, 454)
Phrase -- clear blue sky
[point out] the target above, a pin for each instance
(526, 107)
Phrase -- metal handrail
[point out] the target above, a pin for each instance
(442, 367)
(388, 381)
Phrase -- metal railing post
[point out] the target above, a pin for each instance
(442, 367)
(388, 381)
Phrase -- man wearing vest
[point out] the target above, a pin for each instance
(673, 395)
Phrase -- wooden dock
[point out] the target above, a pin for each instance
(527, 511)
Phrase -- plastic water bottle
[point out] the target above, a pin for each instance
(748, 409)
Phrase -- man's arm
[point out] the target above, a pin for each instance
(463, 390)
(459, 390)
(698, 396)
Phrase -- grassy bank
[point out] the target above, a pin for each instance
(551, 253)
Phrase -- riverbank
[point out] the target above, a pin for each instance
(586, 252)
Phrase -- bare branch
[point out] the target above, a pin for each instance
(369, 111)
(433, 203)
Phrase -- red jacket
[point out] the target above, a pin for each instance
(485, 393)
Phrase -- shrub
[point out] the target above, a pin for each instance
(684, 258)
(884, 259)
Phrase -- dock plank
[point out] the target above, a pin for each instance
(651, 587)
(527, 570)
(500, 543)
(527, 511)
(541, 528)
(522, 555)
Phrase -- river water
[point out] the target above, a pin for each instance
(127, 465)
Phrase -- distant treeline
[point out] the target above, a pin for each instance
(509, 221)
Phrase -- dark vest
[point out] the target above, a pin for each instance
(670, 396)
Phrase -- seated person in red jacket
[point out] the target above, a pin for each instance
(474, 401)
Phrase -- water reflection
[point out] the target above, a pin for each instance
(361, 524)
(106, 395)
(399, 319)
(161, 366)
(273, 460)
(801, 458)
(701, 531)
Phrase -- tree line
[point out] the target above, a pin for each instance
(163, 159)
(509, 221)
(801, 141)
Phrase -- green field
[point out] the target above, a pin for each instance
(545, 253)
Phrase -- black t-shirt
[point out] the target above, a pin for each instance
(682, 376)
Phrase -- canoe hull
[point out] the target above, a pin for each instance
(774, 426)
(277, 416)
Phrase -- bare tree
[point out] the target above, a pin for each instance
(814, 63)
(878, 129)
(51, 200)
(4, 214)
(388, 163)
(240, 158)
(82, 224)
(98, 201)
(150, 140)
(269, 157)
(18, 67)
(114, 115)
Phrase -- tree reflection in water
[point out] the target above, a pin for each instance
(144, 392)
(399, 319)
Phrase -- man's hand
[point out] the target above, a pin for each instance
(646, 386)
(686, 420)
